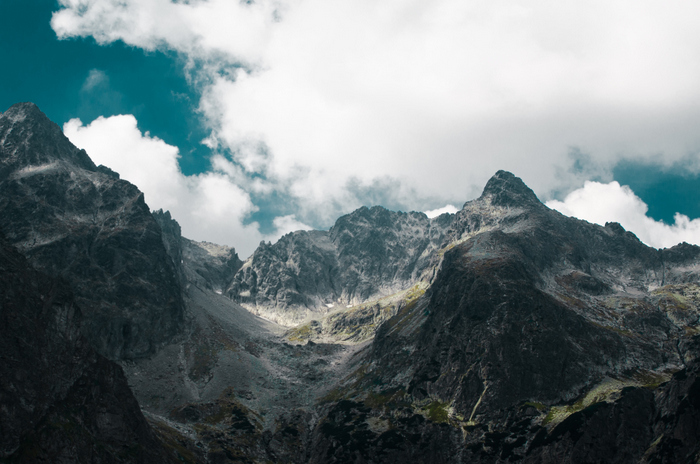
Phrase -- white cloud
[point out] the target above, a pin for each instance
(96, 77)
(208, 206)
(285, 224)
(437, 95)
(601, 203)
(202, 29)
(445, 209)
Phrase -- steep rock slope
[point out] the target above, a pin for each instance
(540, 338)
(231, 383)
(61, 402)
(504, 333)
(205, 264)
(83, 223)
(533, 318)
(370, 253)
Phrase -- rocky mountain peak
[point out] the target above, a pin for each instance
(505, 189)
(506, 332)
(369, 253)
(29, 138)
(23, 110)
(85, 224)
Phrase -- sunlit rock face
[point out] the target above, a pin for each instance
(503, 333)
(542, 339)
(370, 253)
(79, 221)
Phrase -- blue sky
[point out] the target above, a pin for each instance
(52, 73)
(249, 120)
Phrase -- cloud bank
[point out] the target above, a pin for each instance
(600, 203)
(323, 101)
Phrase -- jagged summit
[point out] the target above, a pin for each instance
(23, 110)
(83, 223)
(507, 332)
(505, 189)
(29, 138)
(368, 253)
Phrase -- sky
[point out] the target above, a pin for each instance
(250, 119)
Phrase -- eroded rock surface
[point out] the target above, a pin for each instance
(61, 402)
(75, 220)
(204, 264)
(368, 254)
(529, 337)
(541, 336)
(504, 333)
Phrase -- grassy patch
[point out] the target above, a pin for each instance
(674, 300)
(299, 334)
(649, 379)
(539, 406)
(437, 411)
(606, 391)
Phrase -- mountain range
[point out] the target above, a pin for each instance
(506, 332)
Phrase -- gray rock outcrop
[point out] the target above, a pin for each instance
(61, 402)
(80, 222)
(543, 338)
(204, 264)
(370, 253)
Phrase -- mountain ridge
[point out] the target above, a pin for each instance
(518, 279)
(369, 253)
(506, 332)
(81, 222)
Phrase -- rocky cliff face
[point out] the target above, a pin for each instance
(61, 402)
(367, 254)
(83, 223)
(203, 264)
(526, 337)
(538, 329)
(504, 333)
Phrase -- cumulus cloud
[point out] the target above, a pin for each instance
(286, 224)
(600, 203)
(311, 97)
(211, 29)
(209, 206)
